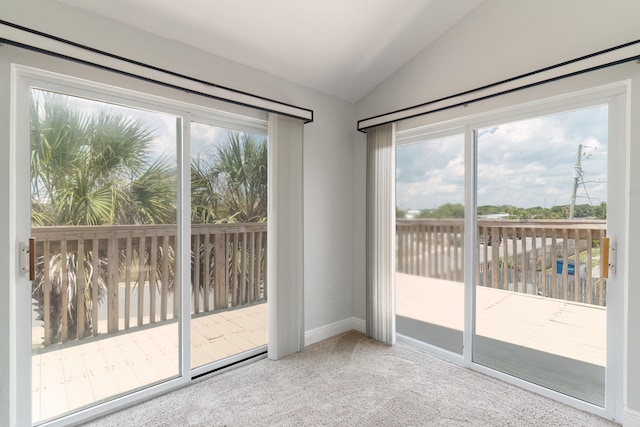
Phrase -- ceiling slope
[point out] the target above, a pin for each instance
(344, 48)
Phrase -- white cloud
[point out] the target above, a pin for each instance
(525, 163)
(205, 138)
(430, 173)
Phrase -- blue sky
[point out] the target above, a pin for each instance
(205, 139)
(524, 163)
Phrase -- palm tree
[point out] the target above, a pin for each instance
(91, 170)
(229, 187)
(232, 186)
(205, 200)
(95, 170)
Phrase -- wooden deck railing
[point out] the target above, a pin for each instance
(430, 248)
(104, 279)
(557, 259)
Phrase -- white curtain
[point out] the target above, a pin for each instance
(285, 321)
(381, 221)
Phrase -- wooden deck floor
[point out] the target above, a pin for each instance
(557, 344)
(572, 330)
(75, 376)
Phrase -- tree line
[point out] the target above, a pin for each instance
(456, 210)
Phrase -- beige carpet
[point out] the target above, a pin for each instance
(349, 380)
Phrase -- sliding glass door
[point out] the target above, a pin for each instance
(523, 198)
(541, 306)
(135, 291)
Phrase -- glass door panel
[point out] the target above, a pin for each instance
(228, 243)
(541, 214)
(103, 213)
(429, 241)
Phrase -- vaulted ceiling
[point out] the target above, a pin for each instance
(344, 48)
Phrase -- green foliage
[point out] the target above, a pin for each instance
(232, 187)
(448, 210)
(600, 211)
(151, 191)
(555, 212)
(94, 169)
(560, 211)
(456, 210)
(491, 210)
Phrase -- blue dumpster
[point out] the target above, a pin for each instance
(571, 268)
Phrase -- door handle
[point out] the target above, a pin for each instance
(608, 257)
(604, 258)
(28, 258)
(32, 258)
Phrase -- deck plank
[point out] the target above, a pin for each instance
(78, 375)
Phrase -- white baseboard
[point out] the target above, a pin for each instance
(431, 349)
(631, 418)
(359, 325)
(327, 331)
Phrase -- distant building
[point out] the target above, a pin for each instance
(494, 216)
(412, 213)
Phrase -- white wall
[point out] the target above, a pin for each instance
(359, 225)
(505, 38)
(328, 219)
(328, 155)
(501, 39)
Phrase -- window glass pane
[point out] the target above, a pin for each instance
(228, 243)
(429, 241)
(103, 212)
(540, 297)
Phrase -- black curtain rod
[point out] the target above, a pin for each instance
(147, 66)
(509, 80)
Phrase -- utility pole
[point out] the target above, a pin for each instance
(577, 173)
